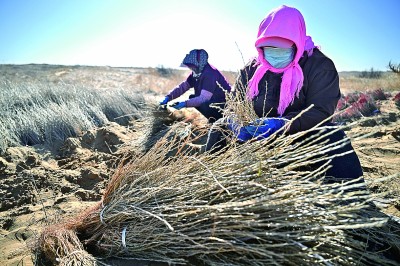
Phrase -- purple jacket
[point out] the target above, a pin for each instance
(206, 88)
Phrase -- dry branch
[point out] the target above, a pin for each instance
(394, 68)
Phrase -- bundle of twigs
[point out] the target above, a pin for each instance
(259, 203)
(250, 205)
(158, 124)
(60, 245)
(239, 108)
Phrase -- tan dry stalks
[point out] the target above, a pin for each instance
(61, 246)
(258, 203)
(239, 109)
(250, 205)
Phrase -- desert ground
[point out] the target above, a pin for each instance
(41, 185)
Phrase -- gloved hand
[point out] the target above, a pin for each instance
(165, 101)
(240, 132)
(265, 127)
(179, 105)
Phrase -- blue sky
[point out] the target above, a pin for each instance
(355, 34)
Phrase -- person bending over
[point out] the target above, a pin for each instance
(208, 83)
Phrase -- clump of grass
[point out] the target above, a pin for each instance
(40, 113)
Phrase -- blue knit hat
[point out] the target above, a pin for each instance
(197, 58)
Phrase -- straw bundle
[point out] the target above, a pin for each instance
(62, 246)
(258, 203)
(250, 205)
(239, 108)
(158, 124)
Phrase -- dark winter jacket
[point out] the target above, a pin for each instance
(320, 87)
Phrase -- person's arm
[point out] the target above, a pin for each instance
(180, 89)
(204, 96)
(323, 92)
(208, 85)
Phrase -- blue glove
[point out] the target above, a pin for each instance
(163, 102)
(240, 132)
(263, 128)
(179, 105)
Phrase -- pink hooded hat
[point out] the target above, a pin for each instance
(287, 23)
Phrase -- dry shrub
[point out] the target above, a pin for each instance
(355, 106)
(377, 94)
(365, 105)
(342, 104)
(352, 97)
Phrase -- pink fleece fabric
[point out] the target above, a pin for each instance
(288, 23)
(276, 42)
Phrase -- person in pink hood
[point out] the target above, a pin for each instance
(289, 75)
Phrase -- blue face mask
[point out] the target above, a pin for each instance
(279, 57)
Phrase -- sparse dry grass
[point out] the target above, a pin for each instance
(351, 83)
(41, 113)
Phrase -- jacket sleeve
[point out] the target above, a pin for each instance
(204, 96)
(323, 92)
(180, 89)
